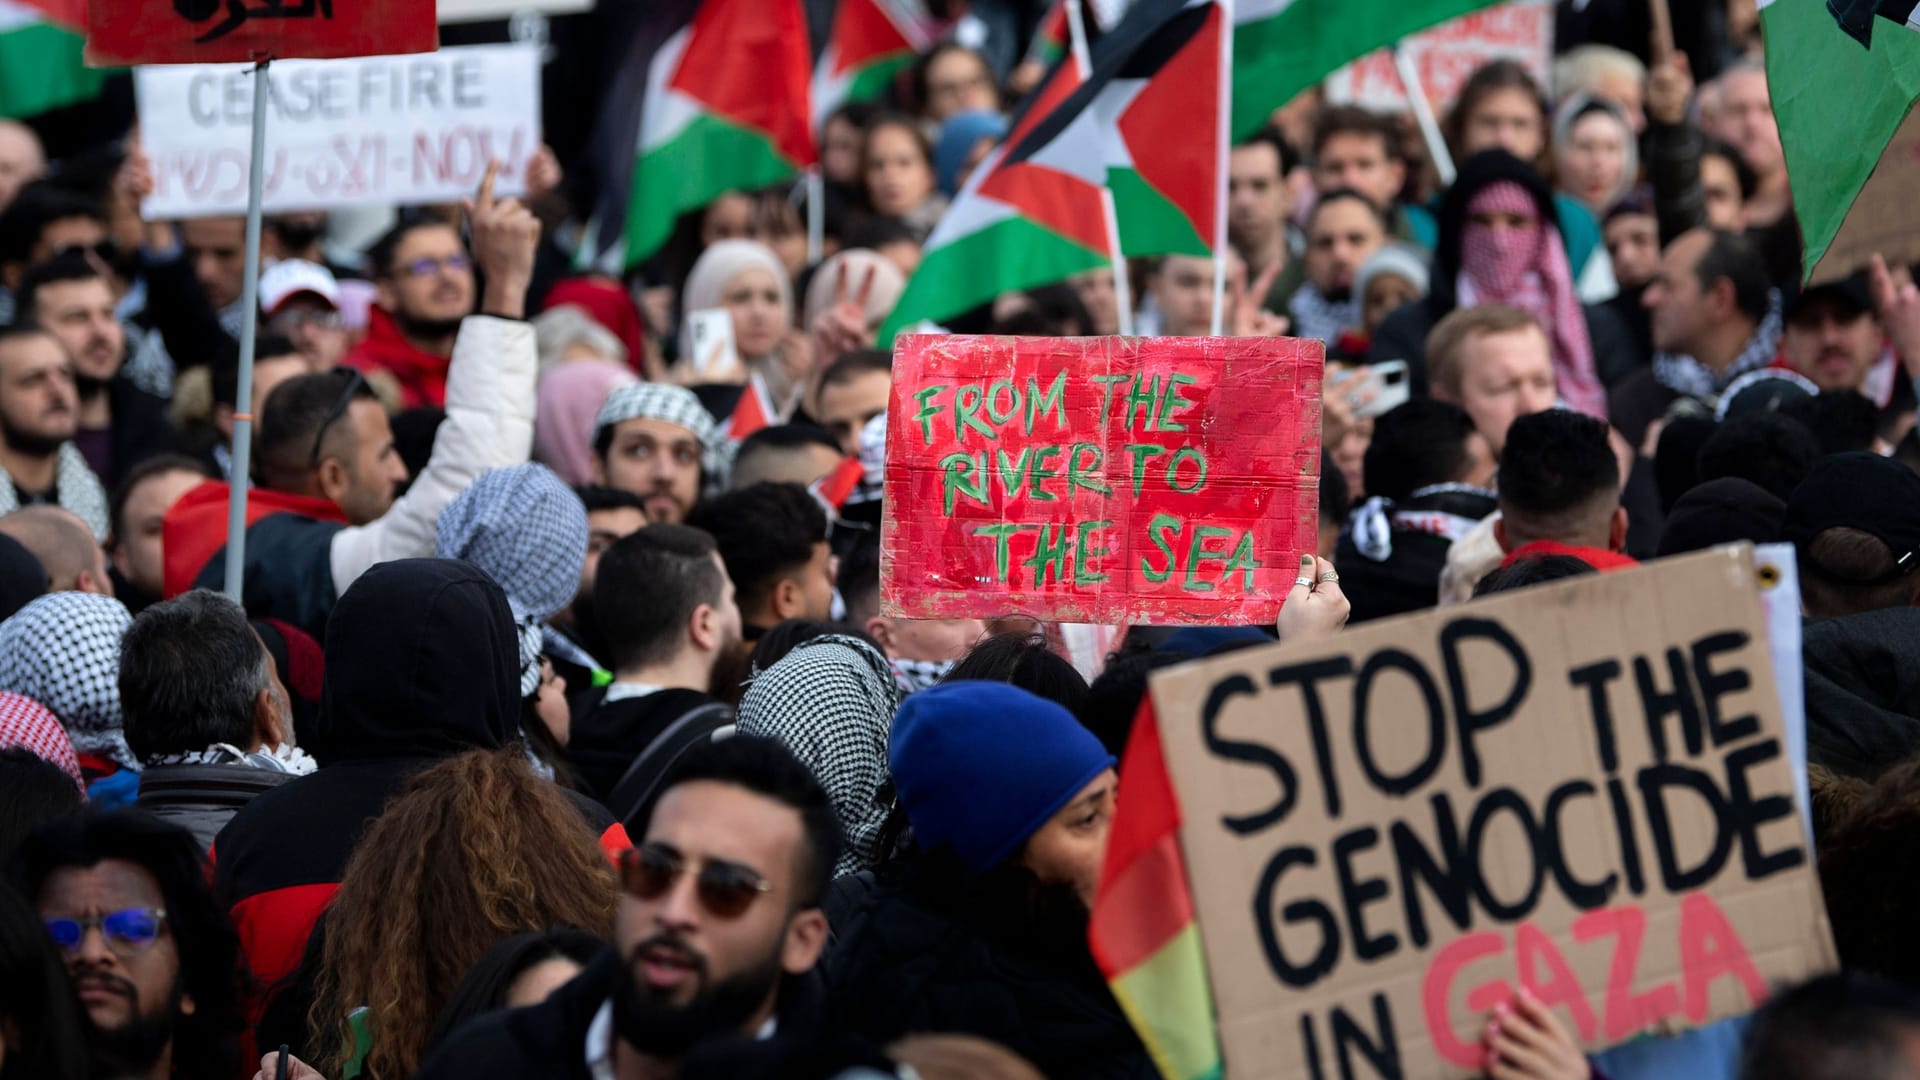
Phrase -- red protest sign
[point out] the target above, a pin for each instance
(126, 32)
(1100, 480)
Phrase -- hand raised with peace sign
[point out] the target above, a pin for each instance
(1245, 316)
(842, 328)
(504, 236)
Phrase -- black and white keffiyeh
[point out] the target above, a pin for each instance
(76, 489)
(1315, 316)
(916, 675)
(282, 758)
(831, 701)
(528, 531)
(671, 405)
(1690, 378)
(63, 651)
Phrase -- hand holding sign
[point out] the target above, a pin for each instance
(1315, 607)
(505, 236)
(1525, 1041)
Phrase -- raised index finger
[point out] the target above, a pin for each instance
(484, 200)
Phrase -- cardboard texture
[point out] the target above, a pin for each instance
(1100, 480)
(1546, 828)
(1881, 220)
(121, 33)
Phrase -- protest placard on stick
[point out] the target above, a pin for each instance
(1447, 55)
(1580, 789)
(1100, 480)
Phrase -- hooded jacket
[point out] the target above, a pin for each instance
(421, 375)
(422, 664)
(1863, 690)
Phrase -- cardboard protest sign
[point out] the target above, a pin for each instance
(383, 130)
(1448, 54)
(121, 33)
(1100, 480)
(1581, 789)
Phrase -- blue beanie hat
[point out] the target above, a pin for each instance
(981, 766)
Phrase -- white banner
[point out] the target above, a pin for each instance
(388, 130)
(459, 11)
(1448, 54)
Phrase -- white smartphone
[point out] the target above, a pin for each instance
(1374, 389)
(710, 340)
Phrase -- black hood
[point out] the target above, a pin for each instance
(1478, 172)
(422, 662)
(1863, 691)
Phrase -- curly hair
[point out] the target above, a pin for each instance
(476, 849)
(1865, 858)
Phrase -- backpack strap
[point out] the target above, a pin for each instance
(635, 788)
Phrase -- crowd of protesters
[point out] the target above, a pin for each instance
(560, 730)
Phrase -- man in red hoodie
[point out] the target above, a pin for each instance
(1560, 491)
(423, 276)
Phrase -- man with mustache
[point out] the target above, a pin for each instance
(39, 407)
(153, 960)
(716, 937)
(660, 443)
(424, 286)
(119, 425)
(1833, 338)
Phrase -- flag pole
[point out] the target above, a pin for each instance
(816, 214)
(1423, 113)
(249, 328)
(1224, 137)
(1122, 288)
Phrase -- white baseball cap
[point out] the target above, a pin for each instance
(290, 277)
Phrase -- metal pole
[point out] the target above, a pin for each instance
(1423, 112)
(249, 326)
(816, 214)
(1224, 138)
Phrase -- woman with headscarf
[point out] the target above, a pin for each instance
(63, 651)
(831, 701)
(748, 279)
(1500, 244)
(567, 403)
(1595, 156)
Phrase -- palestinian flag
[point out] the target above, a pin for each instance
(1053, 39)
(872, 41)
(1281, 47)
(1144, 933)
(752, 412)
(1851, 137)
(725, 109)
(1856, 16)
(40, 65)
(1144, 122)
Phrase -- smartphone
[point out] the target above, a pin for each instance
(710, 340)
(1372, 390)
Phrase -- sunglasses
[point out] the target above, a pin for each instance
(354, 384)
(725, 889)
(128, 933)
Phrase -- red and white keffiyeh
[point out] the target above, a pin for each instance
(31, 726)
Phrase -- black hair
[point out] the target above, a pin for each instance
(294, 412)
(1555, 461)
(1848, 1025)
(873, 232)
(1491, 78)
(1416, 445)
(46, 1037)
(1023, 660)
(1350, 195)
(1748, 180)
(1766, 448)
(34, 207)
(859, 577)
(33, 791)
(68, 266)
(917, 79)
(849, 366)
(792, 436)
(1113, 701)
(207, 1042)
(1907, 450)
(1734, 258)
(647, 586)
(775, 644)
(767, 768)
(147, 469)
(1335, 500)
(1354, 120)
(1536, 570)
(484, 988)
(1283, 153)
(764, 532)
(191, 669)
(381, 254)
(1676, 461)
(1841, 421)
(857, 113)
(225, 367)
(598, 497)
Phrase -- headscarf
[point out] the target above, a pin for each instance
(958, 136)
(831, 701)
(1392, 260)
(27, 724)
(855, 264)
(607, 303)
(1527, 268)
(720, 264)
(674, 405)
(528, 531)
(63, 651)
(570, 397)
(1576, 107)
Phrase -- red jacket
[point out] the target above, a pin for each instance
(422, 375)
(195, 528)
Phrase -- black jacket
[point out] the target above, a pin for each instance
(1408, 577)
(1863, 690)
(928, 948)
(422, 664)
(140, 430)
(608, 738)
(203, 798)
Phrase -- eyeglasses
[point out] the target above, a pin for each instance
(354, 385)
(425, 267)
(288, 321)
(726, 889)
(128, 933)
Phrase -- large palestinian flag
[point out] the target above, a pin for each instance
(1282, 47)
(1856, 16)
(872, 41)
(1850, 133)
(726, 108)
(40, 65)
(1146, 121)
